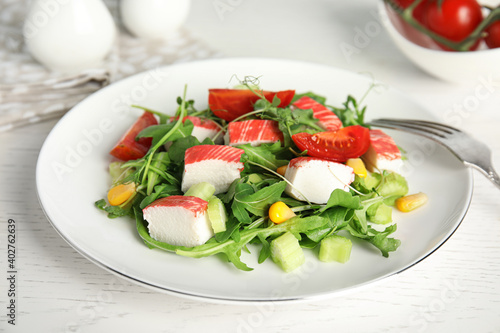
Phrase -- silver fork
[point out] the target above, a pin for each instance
(471, 152)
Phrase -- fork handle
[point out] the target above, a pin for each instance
(493, 176)
(489, 172)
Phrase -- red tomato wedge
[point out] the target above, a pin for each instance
(127, 147)
(229, 104)
(339, 146)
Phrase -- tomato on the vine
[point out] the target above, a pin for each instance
(407, 30)
(418, 12)
(339, 146)
(493, 35)
(453, 19)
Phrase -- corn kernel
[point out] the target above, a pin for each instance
(279, 212)
(282, 169)
(120, 193)
(411, 202)
(358, 166)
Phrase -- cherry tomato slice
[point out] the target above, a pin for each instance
(229, 104)
(127, 147)
(339, 146)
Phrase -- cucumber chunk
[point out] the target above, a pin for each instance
(335, 248)
(379, 213)
(117, 173)
(393, 186)
(201, 190)
(372, 180)
(286, 252)
(217, 214)
(254, 178)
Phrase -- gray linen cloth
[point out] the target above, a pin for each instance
(30, 93)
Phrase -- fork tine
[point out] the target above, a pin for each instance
(470, 151)
(438, 126)
(423, 129)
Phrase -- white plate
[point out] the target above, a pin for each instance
(72, 175)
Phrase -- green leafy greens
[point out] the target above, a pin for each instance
(158, 174)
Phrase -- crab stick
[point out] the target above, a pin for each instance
(314, 179)
(204, 128)
(327, 119)
(179, 220)
(215, 164)
(383, 153)
(254, 132)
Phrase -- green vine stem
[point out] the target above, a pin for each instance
(464, 45)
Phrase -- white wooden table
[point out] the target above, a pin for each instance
(454, 290)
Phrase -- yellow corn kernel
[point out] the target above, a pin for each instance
(120, 193)
(411, 202)
(358, 166)
(279, 212)
(282, 169)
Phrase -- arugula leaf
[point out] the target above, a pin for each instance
(351, 114)
(304, 117)
(258, 203)
(265, 251)
(160, 191)
(232, 248)
(310, 94)
(232, 225)
(265, 154)
(384, 243)
(379, 239)
(178, 148)
(157, 132)
(341, 198)
(289, 121)
(242, 190)
(113, 211)
(338, 217)
(361, 213)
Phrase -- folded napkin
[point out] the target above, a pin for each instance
(21, 104)
(30, 93)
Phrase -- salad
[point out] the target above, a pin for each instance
(281, 170)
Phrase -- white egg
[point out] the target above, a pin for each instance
(69, 36)
(153, 19)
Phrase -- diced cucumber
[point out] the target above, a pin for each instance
(286, 252)
(372, 180)
(201, 190)
(392, 187)
(379, 213)
(254, 178)
(116, 171)
(217, 214)
(335, 248)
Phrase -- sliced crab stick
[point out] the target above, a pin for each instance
(204, 128)
(327, 119)
(314, 179)
(383, 153)
(215, 164)
(254, 132)
(179, 220)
